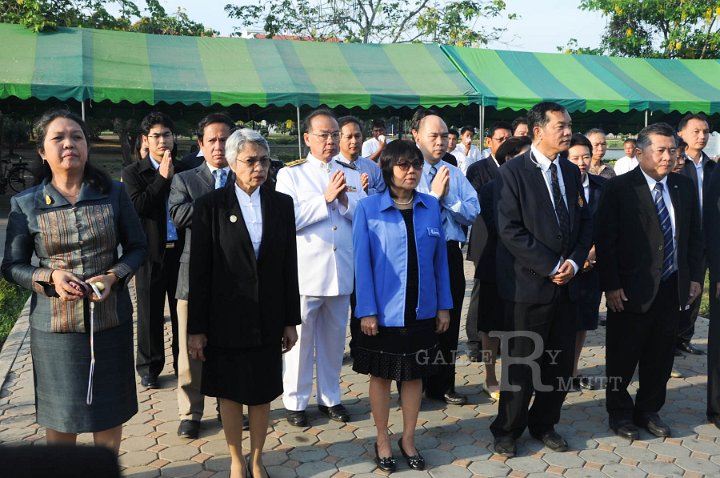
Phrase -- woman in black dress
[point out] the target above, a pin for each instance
(243, 302)
(403, 294)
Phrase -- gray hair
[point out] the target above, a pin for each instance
(236, 143)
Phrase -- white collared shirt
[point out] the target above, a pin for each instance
(252, 214)
(625, 165)
(668, 204)
(586, 188)
(699, 172)
(465, 160)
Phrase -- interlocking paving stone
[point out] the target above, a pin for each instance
(661, 469)
(563, 460)
(599, 456)
(618, 470)
(674, 451)
(489, 468)
(450, 471)
(705, 467)
(181, 469)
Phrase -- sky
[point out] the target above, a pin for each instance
(543, 24)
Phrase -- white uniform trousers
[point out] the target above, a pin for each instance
(321, 339)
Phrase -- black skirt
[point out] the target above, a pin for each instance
(490, 309)
(398, 353)
(249, 376)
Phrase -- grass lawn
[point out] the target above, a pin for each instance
(12, 300)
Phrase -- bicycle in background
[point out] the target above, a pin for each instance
(16, 173)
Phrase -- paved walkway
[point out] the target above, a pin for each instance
(455, 440)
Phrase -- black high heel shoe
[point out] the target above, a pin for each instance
(248, 469)
(416, 462)
(386, 463)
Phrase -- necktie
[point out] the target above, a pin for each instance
(431, 176)
(560, 208)
(220, 177)
(666, 228)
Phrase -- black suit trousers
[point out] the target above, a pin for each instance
(713, 358)
(474, 340)
(444, 381)
(554, 324)
(686, 327)
(646, 342)
(154, 282)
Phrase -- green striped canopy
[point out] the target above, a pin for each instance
(518, 80)
(118, 66)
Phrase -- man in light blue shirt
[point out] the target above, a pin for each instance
(459, 207)
(350, 144)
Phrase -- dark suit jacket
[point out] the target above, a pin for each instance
(481, 172)
(529, 238)
(239, 301)
(629, 241)
(450, 159)
(149, 193)
(689, 171)
(711, 226)
(483, 236)
(186, 187)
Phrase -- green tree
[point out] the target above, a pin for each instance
(456, 22)
(658, 28)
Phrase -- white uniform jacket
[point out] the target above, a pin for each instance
(324, 231)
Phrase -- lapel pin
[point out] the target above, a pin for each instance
(233, 218)
(48, 199)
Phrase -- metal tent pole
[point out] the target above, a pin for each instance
(82, 109)
(482, 118)
(646, 117)
(298, 130)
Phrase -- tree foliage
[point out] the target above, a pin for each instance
(658, 28)
(456, 22)
(47, 15)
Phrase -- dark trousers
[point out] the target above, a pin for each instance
(686, 327)
(644, 341)
(713, 357)
(554, 324)
(444, 381)
(474, 342)
(154, 282)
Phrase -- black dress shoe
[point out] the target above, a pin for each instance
(189, 429)
(552, 440)
(625, 429)
(602, 322)
(248, 468)
(415, 462)
(505, 446)
(653, 424)
(473, 356)
(150, 381)
(451, 398)
(584, 382)
(337, 412)
(715, 420)
(386, 463)
(689, 348)
(297, 418)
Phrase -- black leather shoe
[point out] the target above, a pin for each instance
(474, 356)
(505, 446)
(584, 382)
(625, 429)
(687, 347)
(451, 398)
(415, 462)
(189, 429)
(602, 322)
(248, 468)
(150, 381)
(297, 418)
(653, 424)
(337, 412)
(386, 463)
(552, 440)
(715, 420)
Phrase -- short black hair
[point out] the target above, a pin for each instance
(517, 122)
(453, 131)
(394, 152)
(378, 123)
(497, 126)
(661, 129)
(212, 118)
(537, 116)
(467, 128)
(630, 140)
(155, 118)
(691, 116)
(580, 140)
(343, 120)
(318, 112)
(419, 115)
(511, 147)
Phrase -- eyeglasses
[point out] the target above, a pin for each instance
(156, 137)
(405, 165)
(251, 163)
(335, 135)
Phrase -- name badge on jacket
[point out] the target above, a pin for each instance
(433, 231)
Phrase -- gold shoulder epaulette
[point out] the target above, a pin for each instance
(295, 163)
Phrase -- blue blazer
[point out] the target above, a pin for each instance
(380, 255)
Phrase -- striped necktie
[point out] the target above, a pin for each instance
(560, 208)
(220, 178)
(431, 176)
(666, 228)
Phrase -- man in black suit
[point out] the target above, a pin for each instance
(695, 131)
(480, 173)
(213, 131)
(711, 228)
(148, 184)
(544, 234)
(649, 257)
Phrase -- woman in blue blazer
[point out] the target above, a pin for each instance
(403, 294)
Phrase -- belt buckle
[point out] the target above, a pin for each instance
(169, 245)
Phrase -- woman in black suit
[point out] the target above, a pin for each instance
(243, 302)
